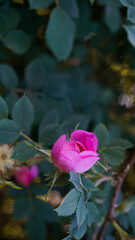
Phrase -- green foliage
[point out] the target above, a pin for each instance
(49, 134)
(39, 4)
(70, 7)
(60, 33)
(92, 1)
(74, 178)
(23, 113)
(113, 155)
(112, 17)
(121, 143)
(23, 152)
(88, 184)
(77, 233)
(9, 131)
(81, 91)
(69, 204)
(17, 41)
(3, 109)
(126, 3)
(8, 76)
(35, 74)
(81, 211)
(102, 135)
(131, 14)
(130, 29)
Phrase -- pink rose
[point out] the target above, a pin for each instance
(25, 176)
(77, 154)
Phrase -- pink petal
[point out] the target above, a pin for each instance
(58, 145)
(85, 164)
(34, 171)
(88, 139)
(87, 153)
(70, 146)
(67, 160)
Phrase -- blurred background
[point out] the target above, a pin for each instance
(87, 76)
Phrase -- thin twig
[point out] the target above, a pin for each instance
(110, 214)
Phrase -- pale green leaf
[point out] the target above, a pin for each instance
(23, 113)
(74, 178)
(60, 33)
(69, 204)
(9, 131)
(131, 14)
(126, 3)
(130, 29)
(81, 210)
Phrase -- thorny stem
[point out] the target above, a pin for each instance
(36, 145)
(110, 214)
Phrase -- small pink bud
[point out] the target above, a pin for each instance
(25, 176)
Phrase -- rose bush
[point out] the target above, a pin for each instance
(78, 154)
(25, 176)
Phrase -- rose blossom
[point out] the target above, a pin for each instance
(25, 176)
(77, 154)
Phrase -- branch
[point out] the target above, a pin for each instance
(110, 214)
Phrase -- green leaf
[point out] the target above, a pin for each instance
(126, 3)
(3, 23)
(102, 135)
(92, 209)
(49, 134)
(70, 123)
(70, 7)
(97, 168)
(92, 213)
(17, 41)
(23, 113)
(23, 152)
(77, 233)
(122, 143)
(113, 155)
(81, 210)
(8, 76)
(74, 178)
(60, 33)
(92, 1)
(22, 208)
(50, 117)
(36, 229)
(35, 74)
(9, 131)
(88, 184)
(130, 29)
(3, 108)
(34, 4)
(131, 14)
(11, 99)
(13, 17)
(69, 204)
(112, 17)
